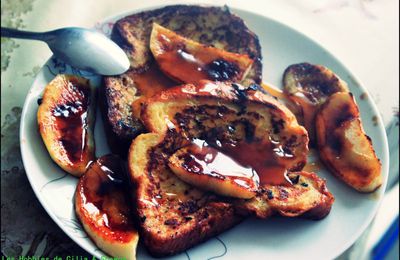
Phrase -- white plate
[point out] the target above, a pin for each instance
(254, 239)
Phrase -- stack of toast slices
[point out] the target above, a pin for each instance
(172, 214)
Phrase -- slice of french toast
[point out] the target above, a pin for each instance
(172, 215)
(175, 215)
(212, 26)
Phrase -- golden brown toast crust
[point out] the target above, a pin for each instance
(208, 25)
(175, 215)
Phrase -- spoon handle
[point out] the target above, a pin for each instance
(13, 33)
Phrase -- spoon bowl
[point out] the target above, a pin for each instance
(82, 48)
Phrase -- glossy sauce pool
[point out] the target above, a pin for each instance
(263, 163)
(149, 83)
(209, 161)
(71, 119)
(190, 66)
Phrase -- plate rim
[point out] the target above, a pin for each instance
(380, 126)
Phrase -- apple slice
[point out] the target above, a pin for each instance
(188, 61)
(66, 120)
(209, 169)
(308, 86)
(102, 205)
(344, 147)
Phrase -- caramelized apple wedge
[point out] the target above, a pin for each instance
(308, 86)
(102, 206)
(188, 61)
(344, 147)
(209, 169)
(66, 120)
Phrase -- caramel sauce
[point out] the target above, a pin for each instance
(103, 200)
(266, 159)
(207, 160)
(149, 83)
(71, 120)
(281, 96)
(190, 66)
(308, 108)
(152, 81)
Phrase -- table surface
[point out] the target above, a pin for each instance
(363, 34)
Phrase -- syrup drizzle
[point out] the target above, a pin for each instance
(148, 83)
(71, 120)
(308, 108)
(281, 96)
(207, 160)
(152, 81)
(264, 162)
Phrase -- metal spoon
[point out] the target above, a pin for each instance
(82, 48)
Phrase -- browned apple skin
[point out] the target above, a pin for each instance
(66, 120)
(308, 86)
(343, 145)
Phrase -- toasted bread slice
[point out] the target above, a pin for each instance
(212, 26)
(344, 147)
(265, 119)
(101, 204)
(175, 215)
(188, 61)
(66, 120)
(308, 86)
